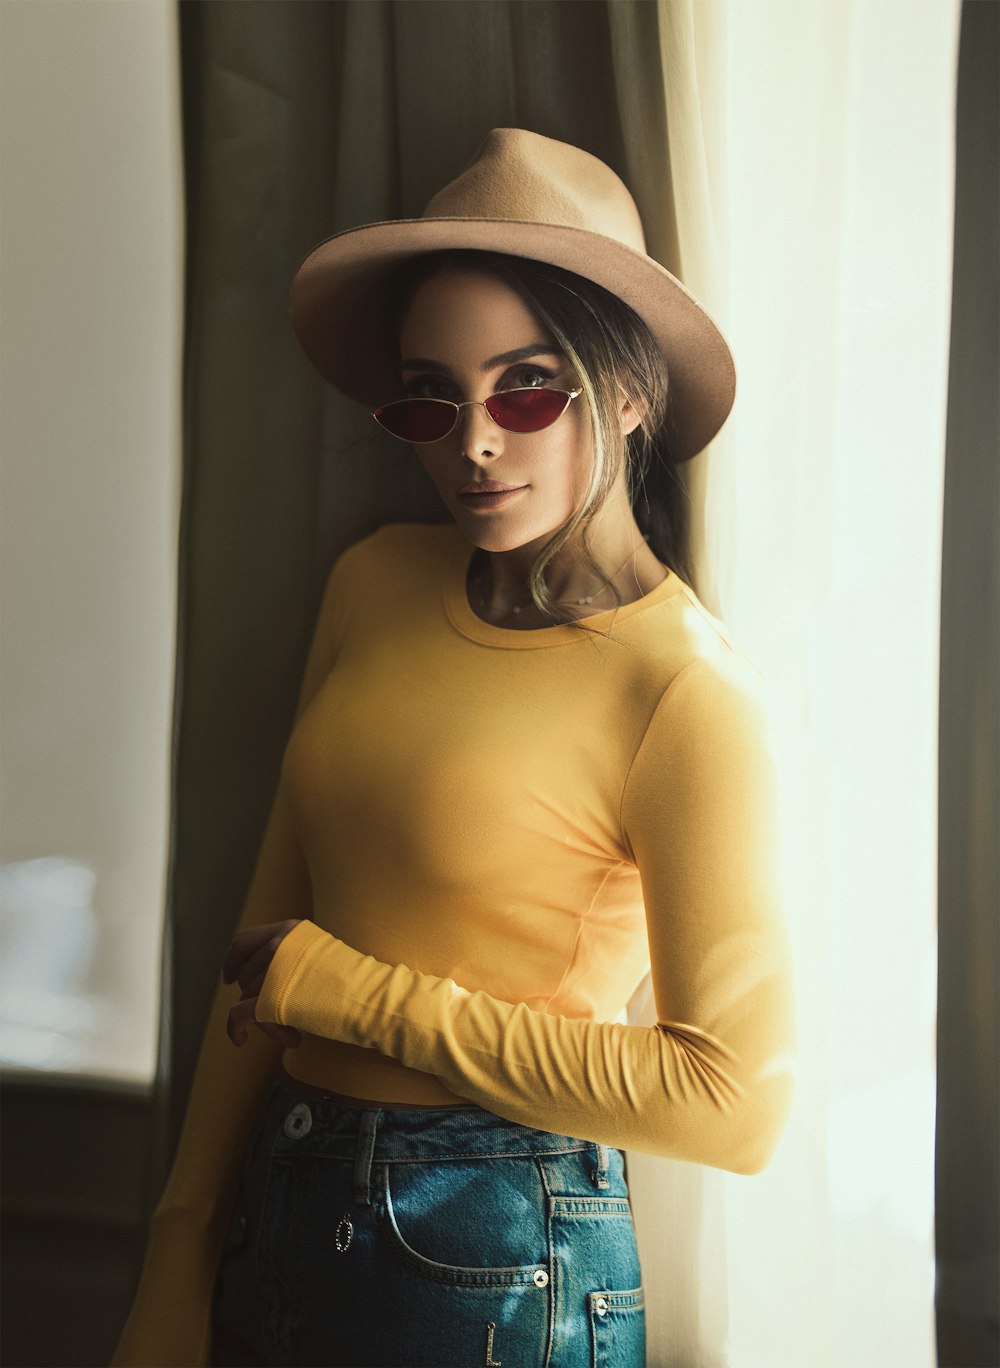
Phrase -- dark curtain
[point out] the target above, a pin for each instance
(301, 119)
(968, 1116)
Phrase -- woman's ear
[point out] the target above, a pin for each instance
(631, 414)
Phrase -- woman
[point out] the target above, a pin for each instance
(527, 767)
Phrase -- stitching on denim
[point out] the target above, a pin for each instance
(318, 1145)
(600, 1173)
(554, 1280)
(365, 1157)
(591, 1206)
(633, 1299)
(480, 1154)
(516, 1275)
(624, 1309)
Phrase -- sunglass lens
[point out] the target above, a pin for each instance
(417, 420)
(526, 410)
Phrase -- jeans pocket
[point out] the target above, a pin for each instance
(597, 1273)
(469, 1221)
(617, 1329)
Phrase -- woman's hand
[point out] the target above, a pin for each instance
(247, 962)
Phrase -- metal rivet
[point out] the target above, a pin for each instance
(601, 1306)
(298, 1122)
(540, 1278)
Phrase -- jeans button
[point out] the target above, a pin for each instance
(298, 1122)
(601, 1306)
(540, 1278)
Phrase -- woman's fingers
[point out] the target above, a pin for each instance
(247, 962)
(253, 969)
(241, 1018)
(254, 941)
(243, 945)
(253, 988)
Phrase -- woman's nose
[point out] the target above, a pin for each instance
(482, 438)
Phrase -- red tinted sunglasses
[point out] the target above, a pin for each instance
(516, 410)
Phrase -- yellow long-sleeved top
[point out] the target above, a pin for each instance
(503, 831)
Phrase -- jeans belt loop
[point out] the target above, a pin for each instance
(600, 1173)
(363, 1157)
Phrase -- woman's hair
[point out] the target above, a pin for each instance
(612, 352)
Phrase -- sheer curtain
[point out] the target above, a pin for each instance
(812, 205)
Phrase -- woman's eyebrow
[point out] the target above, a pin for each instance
(502, 359)
(521, 354)
(421, 363)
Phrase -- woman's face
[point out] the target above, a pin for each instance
(468, 335)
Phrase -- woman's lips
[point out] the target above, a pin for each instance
(488, 495)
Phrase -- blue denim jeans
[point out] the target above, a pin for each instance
(444, 1237)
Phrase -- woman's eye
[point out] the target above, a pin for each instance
(430, 387)
(528, 377)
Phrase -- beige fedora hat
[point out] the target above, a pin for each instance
(528, 196)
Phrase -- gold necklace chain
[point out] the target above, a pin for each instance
(478, 581)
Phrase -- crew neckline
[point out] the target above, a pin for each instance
(465, 620)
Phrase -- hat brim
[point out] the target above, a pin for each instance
(339, 309)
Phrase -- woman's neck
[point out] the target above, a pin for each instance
(617, 568)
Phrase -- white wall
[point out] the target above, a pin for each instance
(91, 289)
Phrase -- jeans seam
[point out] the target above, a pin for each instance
(308, 1147)
(479, 1154)
(554, 1288)
(588, 1207)
(364, 1157)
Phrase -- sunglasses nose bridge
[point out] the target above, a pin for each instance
(478, 439)
(474, 403)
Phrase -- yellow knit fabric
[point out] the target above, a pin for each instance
(502, 832)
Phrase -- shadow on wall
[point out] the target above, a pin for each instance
(74, 1175)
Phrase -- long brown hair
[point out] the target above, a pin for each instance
(612, 351)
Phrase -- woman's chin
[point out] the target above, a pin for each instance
(497, 542)
(497, 534)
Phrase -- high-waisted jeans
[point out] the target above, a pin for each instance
(427, 1236)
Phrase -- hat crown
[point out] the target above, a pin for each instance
(523, 177)
(528, 196)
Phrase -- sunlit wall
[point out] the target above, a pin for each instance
(91, 284)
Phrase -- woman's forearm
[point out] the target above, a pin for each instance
(681, 1090)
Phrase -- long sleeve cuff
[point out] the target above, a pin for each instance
(672, 1089)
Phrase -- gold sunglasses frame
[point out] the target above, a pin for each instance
(466, 403)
